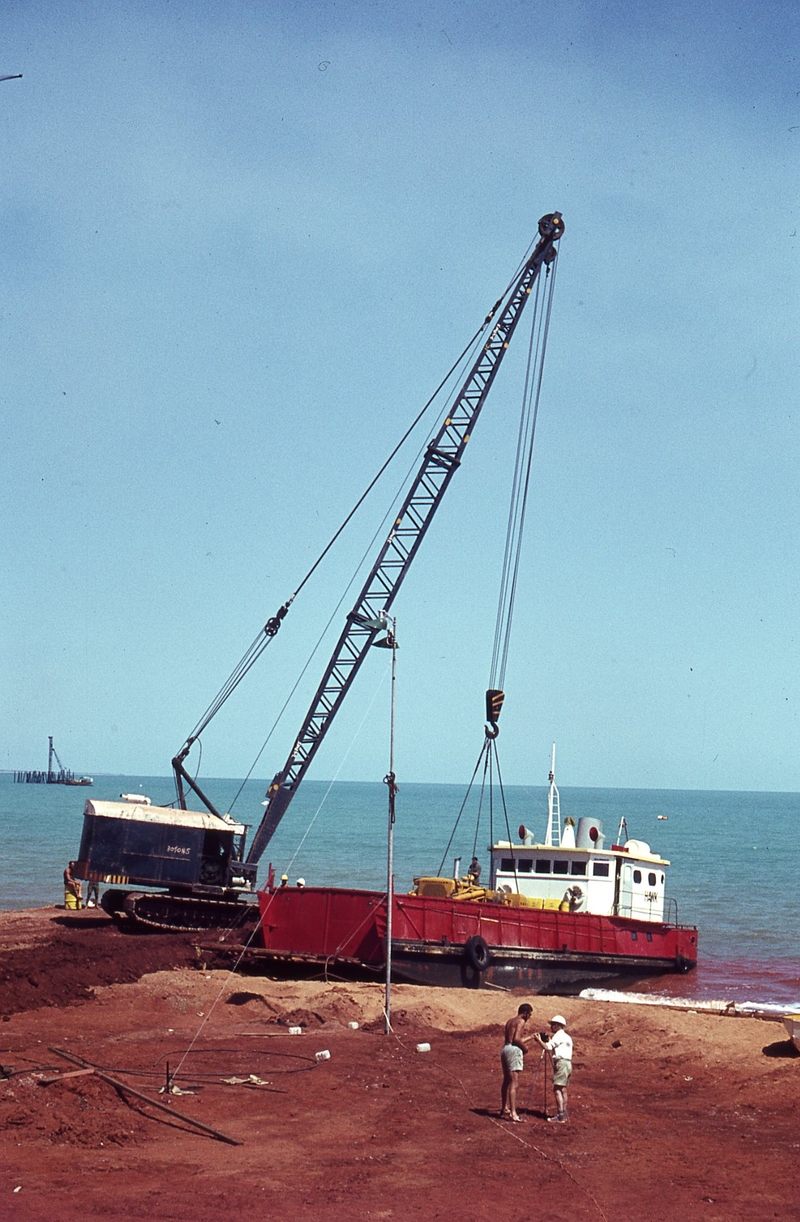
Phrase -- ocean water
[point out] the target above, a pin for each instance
(733, 855)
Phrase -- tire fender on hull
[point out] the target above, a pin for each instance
(477, 953)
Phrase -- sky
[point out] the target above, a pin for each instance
(243, 243)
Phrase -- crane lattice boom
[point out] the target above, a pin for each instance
(440, 462)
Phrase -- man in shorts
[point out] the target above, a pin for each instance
(512, 1059)
(73, 888)
(560, 1047)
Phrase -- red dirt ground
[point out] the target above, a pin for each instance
(674, 1116)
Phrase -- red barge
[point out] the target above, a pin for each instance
(556, 915)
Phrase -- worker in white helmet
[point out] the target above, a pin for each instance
(560, 1048)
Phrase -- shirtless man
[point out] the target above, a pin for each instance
(511, 1058)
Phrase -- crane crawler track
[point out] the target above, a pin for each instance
(185, 913)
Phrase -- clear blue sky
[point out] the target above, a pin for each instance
(242, 243)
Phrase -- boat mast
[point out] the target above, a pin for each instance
(440, 463)
(553, 836)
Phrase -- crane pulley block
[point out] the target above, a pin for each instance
(494, 704)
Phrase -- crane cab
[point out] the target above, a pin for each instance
(131, 841)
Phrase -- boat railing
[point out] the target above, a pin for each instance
(670, 911)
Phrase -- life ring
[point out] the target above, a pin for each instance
(477, 953)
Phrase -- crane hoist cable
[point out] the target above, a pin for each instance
(540, 326)
(482, 757)
(521, 483)
(488, 756)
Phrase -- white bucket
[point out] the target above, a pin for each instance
(295, 1030)
(423, 1047)
(323, 1056)
(353, 1026)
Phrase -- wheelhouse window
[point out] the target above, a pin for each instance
(578, 867)
(561, 867)
(524, 865)
(637, 876)
(651, 879)
(600, 869)
(542, 867)
(507, 864)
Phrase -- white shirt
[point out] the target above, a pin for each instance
(561, 1045)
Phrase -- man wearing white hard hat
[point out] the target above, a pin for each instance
(560, 1048)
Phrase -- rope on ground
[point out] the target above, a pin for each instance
(215, 1002)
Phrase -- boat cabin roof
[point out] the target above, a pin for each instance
(634, 849)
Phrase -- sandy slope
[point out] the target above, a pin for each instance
(674, 1116)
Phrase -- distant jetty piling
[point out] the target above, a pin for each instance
(53, 776)
(34, 778)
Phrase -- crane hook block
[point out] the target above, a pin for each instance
(494, 703)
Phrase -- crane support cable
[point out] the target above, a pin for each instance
(441, 460)
(269, 631)
(358, 567)
(266, 635)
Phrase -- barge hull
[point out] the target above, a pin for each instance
(466, 944)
